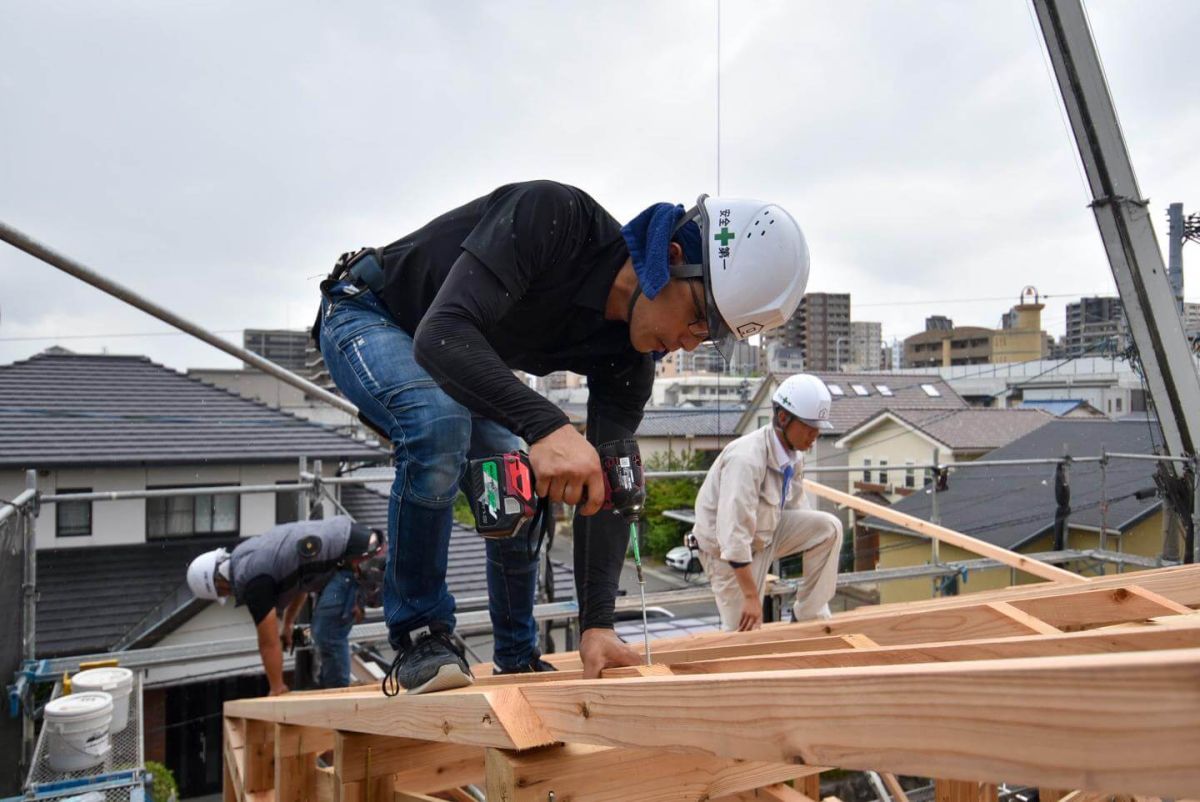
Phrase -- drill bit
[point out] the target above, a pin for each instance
(637, 561)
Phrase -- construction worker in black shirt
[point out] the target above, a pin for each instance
(423, 336)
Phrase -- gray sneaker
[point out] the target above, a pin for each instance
(434, 663)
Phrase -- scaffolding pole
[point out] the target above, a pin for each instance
(29, 245)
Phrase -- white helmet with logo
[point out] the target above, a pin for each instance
(202, 575)
(807, 398)
(755, 266)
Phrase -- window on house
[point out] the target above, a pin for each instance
(73, 518)
(867, 471)
(910, 473)
(182, 516)
(931, 391)
(1118, 405)
(763, 420)
(859, 389)
(287, 504)
(835, 389)
(883, 474)
(884, 390)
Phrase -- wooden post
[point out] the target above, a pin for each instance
(260, 756)
(296, 750)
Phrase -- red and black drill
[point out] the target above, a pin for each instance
(503, 497)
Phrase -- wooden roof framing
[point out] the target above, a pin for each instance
(1091, 685)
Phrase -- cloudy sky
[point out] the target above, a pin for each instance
(217, 156)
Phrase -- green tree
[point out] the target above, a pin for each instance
(661, 534)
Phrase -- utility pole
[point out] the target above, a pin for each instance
(1175, 239)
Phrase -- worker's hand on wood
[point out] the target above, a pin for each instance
(566, 465)
(752, 613)
(601, 648)
(279, 690)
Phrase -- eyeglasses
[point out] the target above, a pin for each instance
(699, 326)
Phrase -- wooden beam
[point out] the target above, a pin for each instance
(1099, 607)
(1129, 721)
(497, 717)
(941, 533)
(810, 786)
(1035, 624)
(599, 774)
(418, 766)
(892, 783)
(234, 752)
(967, 620)
(412, 796)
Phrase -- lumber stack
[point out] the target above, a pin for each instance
(1091, 686)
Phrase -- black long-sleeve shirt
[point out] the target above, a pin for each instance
(519, 279)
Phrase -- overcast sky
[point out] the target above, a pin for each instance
(217, 156)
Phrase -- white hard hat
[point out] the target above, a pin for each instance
(755, 266)
(807, 398)
(202, 574)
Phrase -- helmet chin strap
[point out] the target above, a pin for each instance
(633, 299)
(783, 435)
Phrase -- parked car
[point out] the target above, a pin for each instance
(685, 558)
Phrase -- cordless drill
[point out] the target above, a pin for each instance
(503, 498)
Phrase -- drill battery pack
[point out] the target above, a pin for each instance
(501, 493)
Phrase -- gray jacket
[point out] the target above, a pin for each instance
(300, 557)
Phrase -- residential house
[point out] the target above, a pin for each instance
(667, 434)
(110, 574)
(1064, 408)
(887, 445)
(1013, 506)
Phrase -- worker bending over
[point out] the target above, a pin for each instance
(272, 575)
(749, 511)
(423, 336)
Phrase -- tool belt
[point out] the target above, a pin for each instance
(363, 267)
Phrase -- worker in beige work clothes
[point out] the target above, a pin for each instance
(750, 511)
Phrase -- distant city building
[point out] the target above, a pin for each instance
(1021, 338)
(935, 348)
(1095, 325)
(745, 359)
(825, 330)
(866, 345)
(558, 380)
(1191, 318)
(784, 360)
(284, 347)
(938, 323)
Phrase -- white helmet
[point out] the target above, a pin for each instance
(755, 266)
(202, 574)
(807, 398)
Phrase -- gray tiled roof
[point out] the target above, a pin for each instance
(975, 429)
(705, 421)
(59, 409)
(1009, 505)
(467, 571)
(88, 598)
(851, 409)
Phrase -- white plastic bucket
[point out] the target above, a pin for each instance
(77, 728)
(117, 682)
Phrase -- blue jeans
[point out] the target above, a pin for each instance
(370, 359)
(333, 616)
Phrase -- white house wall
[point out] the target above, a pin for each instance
(214, 623)
(123, 522)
